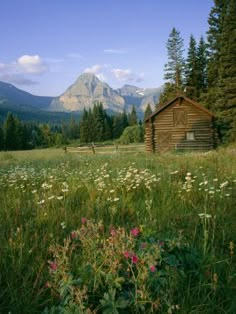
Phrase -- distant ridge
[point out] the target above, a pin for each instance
(86, 90)
(20, 97)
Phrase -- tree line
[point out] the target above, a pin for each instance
(95, 125)
(208, 73)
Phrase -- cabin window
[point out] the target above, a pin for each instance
(190, 136)
(180, 118)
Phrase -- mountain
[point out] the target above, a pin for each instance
(19, 97)
(84, 92)
(27, 106)
(140, 97)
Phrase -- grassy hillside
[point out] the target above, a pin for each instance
(117, 233)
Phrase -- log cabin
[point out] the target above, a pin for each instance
(181, 124)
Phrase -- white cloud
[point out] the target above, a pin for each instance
(17, 79)
(17, 72)
(115, 51)
(123, 75)
(31, 64)
(95, 69)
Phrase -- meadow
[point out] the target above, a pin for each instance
(117, 232)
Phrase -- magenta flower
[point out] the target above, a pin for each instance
(113, 232)
(126, 254)
(134, 259)
(135, 232)
(161, 243)
(53, 266)
(73, 234)
(153, 268)
(83, 220)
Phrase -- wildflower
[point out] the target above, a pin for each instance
(53, 266)
(135, 232)
(161, 243)
(203, 215)
(73, 234)
(153, 268)
(41, 202)
(223, 184)
(83, 220)
(59, 197)
(126, 254)
(134, 259)
(113, 232)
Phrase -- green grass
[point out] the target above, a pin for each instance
(45, 193)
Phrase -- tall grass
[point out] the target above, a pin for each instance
(45, 193)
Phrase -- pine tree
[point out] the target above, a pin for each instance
(84, 130)
(1, 139)
(168, 93)
(10, 132)
(133, 120)
(201, 67)
(148, 111)
(118, 125)
(215, 21)
(226, 101)
(191, 70)
(174, 67)
(98, 122)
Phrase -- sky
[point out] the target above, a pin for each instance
(46, 44)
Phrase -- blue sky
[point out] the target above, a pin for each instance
(46, 44)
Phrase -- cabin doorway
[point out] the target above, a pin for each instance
(164, 142)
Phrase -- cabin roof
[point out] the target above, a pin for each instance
(161, 107)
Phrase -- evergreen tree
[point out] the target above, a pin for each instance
(98, 122)
(168, 93)
(226, 101)
(175, 66)
(215, 21)
(133, 120)
(1, 139)
(201, 67)
(10, 132)
(107, 127)
(118, 125)
(84, 130)
(148, 111)
(191, 70)
(73, 129)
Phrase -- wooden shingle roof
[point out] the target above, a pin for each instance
(161, 107)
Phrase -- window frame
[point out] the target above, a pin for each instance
(190, 136)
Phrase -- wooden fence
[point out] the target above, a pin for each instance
(106, 149)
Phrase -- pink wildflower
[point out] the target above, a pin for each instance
(126, 254)
(83, 220)
(153, 268)
(135, 232)
(53, 266)
(113, 232)
(73, 234)
(161, 243)
(134, 259)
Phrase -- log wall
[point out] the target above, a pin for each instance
(167, 130)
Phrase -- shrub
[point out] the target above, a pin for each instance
(121, 271)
